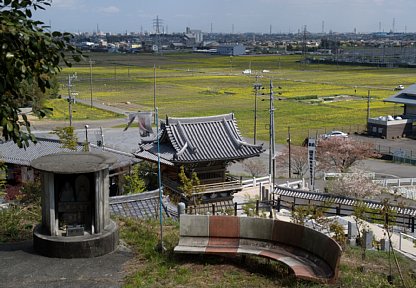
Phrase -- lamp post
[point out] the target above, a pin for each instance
(257, 86)
(70, 99)
(87, 144)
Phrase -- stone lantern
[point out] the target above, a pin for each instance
(75, 206)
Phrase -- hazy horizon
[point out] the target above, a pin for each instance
(231, 16)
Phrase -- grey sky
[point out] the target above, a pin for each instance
(244, 15)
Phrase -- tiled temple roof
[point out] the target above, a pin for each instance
(10, 153)
(199, 139)
(143, 205)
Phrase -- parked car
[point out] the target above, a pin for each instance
(335, 134)
(399, 87)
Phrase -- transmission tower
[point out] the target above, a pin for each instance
(157, 25)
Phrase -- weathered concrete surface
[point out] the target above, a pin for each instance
(20, 266)
(197, 226)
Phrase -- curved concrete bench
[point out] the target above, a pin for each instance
(310, 254)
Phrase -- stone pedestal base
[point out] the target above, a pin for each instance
(85, 246)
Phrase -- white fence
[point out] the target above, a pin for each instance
(330, 176)
(406, 187)
(396, 182)
(267, 180)
(254, 182)
(409, 245)
(299, 184)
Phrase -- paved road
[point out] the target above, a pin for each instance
(20, 267)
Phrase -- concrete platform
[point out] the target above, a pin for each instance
(21, 266)
(76, 246)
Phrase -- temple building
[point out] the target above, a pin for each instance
(204, 145)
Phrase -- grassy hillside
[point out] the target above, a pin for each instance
(149, 268)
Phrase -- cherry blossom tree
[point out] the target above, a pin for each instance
(254, 166)
(355, 185)
(340, 154)
(299, 160)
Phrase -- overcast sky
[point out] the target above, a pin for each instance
(283, 16)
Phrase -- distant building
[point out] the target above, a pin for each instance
(193, 37)
(231, 50)
(396, 126)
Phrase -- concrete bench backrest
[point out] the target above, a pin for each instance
(307, 239)
(263, 229)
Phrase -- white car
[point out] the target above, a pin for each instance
(399, 87)
(335, 134)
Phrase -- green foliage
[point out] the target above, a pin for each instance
(189, 186)
(148, 172)
(67, 137)
(30, 193)
(338, 233)
(133, 182)
(18, 220)
(301, 213)
(249, 207)
(28, 53)
(79, 111)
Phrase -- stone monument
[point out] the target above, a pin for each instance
(75, 206)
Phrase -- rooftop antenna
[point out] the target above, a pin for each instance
(379, 26)
(211, 27)
(323, 26)
(394, 24)
(270, 32)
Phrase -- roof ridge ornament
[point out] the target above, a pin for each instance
(236, 142)
(188, 144)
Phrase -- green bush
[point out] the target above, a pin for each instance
(17, 222)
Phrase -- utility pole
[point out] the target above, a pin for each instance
(154, 91)
(368, 105)
(91, 62)
(272, 166)
(257, 86)
(290, 154)
(368, 109)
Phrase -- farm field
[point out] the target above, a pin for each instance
(314, 98)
